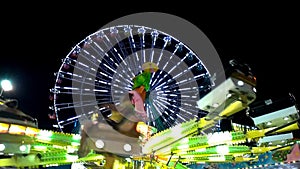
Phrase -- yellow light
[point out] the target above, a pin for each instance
(31, 131)
(16, 129)
(4, 127)
(142, 128)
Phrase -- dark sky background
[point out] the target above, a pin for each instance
(35, 38)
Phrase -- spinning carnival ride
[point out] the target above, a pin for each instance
(137, 87)
(132, 96)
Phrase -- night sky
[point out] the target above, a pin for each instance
(35, 39)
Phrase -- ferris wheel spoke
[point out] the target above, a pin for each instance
(160, 79)
(75, 105)
(187, 70)
(99, 52)
(171, 56)
(63, 123)
(119, 47)
(160, 55)
(134, 49)
(73, 119)
(112, 51)
(104, 55)
(177, 64)
(83, 68)
(86, 82)
(109, 66)
(188, 111)
(124, 53)
(91, 60)
(156, 110)
(141, 33)
(154, 35)
(164, 107)
(186, 107)
(166, 40)
(127, 47)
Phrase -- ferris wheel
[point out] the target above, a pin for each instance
(144, 69)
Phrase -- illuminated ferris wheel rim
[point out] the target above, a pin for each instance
(125, 26)
(115, 30)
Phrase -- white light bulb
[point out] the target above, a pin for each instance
(2, 147)
(127, 147)
(22, 148)
(99, 143)
(6, 85)
(240, 83)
